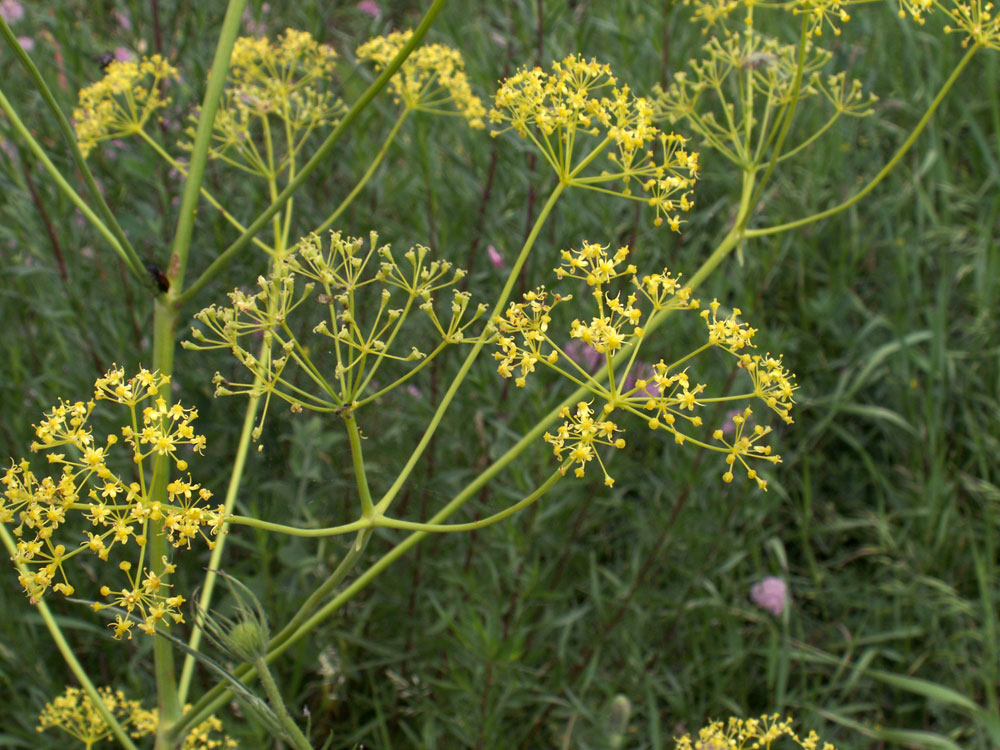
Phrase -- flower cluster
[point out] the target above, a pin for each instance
(344, 274)
(121, 103)
(820, 14)
(577, 436)
(580, 101)
(275, 90)
(431, 79)
(664, 395)
(977, 20)
(711, 100)
(743, 734)
(120, 511)
(75, 713)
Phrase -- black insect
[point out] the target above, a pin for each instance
(105, 59)
(159, 278)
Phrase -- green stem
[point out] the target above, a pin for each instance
(383, 522)
(215, 560)
(437, 528)
(211, 700)
(301, 624)
(168, 704)
(133, 263)
(212, 201)
(358, 459)
(202, 142)
(130, 256)
(67, 653)
(293, 733)
(404, 474)
(887, 168)
(280, 528)
(786, 121)
(328, 222)
(230, 253)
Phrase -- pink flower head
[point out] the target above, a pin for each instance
(122, 19)
(26, 42)
(414, 391)
(641, 371)
(771, 594)
(588, 358)
(370, 8)
(495, 257)
(12, 11)
(123, 54)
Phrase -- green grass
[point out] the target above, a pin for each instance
(882, 517)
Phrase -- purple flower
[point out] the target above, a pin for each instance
(12, 11)
(370, 8)
(122, 19)
(729, 427)
(771, 594)
(122, 54)
(26, 42)
(253, 26)
(641, 371)
(414, 391)
(588, 358)
(495, 257)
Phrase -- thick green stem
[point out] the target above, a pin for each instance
(202, 142)
(168, 705)
(164, 344)
(230, 253)
(131, 257)
(973, 48)
(67, 653)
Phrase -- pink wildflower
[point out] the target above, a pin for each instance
(414, 391)
(370, 8)
(495, 257)
(123, 54)
(641, 371)
(12, 11)
(26, 42)
(588, 358)
(771, 594)
(122, 19)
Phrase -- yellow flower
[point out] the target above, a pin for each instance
(743, 734)
(122, 102)
(431, 79)
(119, 512)
(577, 436)
(74, 713)
(578, 113)
(288, 80)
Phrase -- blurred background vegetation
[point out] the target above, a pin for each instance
(882, 518)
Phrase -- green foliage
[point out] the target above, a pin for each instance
(882, 518)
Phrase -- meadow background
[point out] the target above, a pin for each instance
(883, 518)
